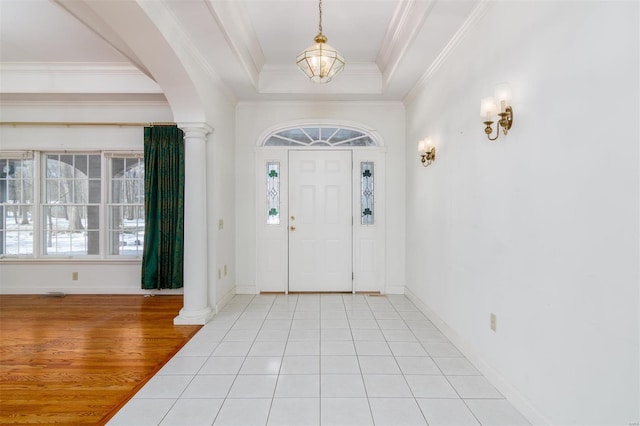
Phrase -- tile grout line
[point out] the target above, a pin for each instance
(284, 350)
(396, 360)
(243, 361)
(197, 372)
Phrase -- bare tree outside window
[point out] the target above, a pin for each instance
(72, 204)
(64, 216)
(16, 206)
(126, 206)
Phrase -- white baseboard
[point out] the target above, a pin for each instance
(225, 299)
(394, 289)
(513, 395)
(246, 289)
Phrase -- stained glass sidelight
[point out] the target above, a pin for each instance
(273, 193)
(366, 193)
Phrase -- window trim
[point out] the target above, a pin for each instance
(334, 124)
(107, 203)
(35, 185)
(38, 256)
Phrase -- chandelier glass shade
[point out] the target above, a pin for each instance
(320, 62)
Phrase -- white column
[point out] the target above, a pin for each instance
(196, 309)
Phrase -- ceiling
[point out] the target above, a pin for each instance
(76, 47)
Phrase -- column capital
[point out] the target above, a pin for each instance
(195, 129)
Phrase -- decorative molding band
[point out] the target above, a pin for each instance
(101, 68)
(77, 77)
(158, 11)
(473, 18)
(405, 25)
(195, 130)
(234, 23)
(357, 78)
(84, 99)
(399, 105)
(512, 394)
(392, 35)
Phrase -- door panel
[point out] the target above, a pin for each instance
(320, 221)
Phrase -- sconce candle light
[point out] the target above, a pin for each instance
(427, 151)
(489, 108)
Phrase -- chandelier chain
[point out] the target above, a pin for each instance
(320, 22)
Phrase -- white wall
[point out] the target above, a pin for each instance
(255, 118)
(540, 227)
(94, 276)
(221, 201)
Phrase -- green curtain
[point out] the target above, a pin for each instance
(163, 250)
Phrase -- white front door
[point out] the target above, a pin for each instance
(320, 221)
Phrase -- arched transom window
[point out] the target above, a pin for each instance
(320, 136)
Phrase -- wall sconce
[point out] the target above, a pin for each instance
(427, 151)
(489, 108)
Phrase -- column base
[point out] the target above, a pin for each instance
(199, 317)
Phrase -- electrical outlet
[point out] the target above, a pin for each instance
(493, 321)
(225, 269)
(220, 224)
(74, 276)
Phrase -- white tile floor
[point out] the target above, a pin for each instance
(318, 360)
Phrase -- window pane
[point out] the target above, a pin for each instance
(16, 206)
(313, 132)
(81, 167)
(295, 134)
(326, 133)
(273, 193)
(71, 211)
(95, 166)
(126, 207)
(69, 230)
(344, 134)
(117, 167)
(94, 190)
(366, 193)
(127, 230)
(318, 136)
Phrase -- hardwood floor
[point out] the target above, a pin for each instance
(77, 359)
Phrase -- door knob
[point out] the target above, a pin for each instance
(293, 228)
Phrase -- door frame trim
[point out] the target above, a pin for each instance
(271, 241)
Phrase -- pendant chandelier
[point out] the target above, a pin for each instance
(320, 62)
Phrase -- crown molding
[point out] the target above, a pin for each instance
(103, 68)
(234, 23)
(90, 99)
(471, 21)
(392, 104)
(356, 78)
(74, 77)
(403, 28)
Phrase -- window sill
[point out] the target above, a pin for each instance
(68, 261)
